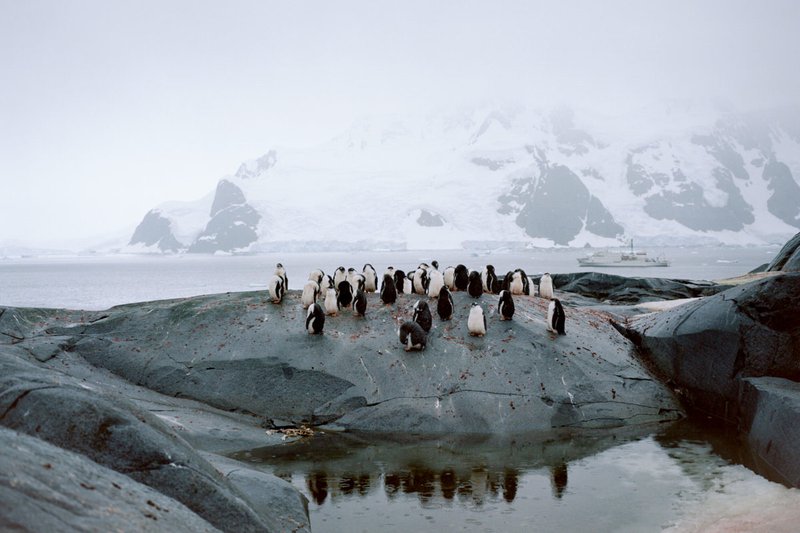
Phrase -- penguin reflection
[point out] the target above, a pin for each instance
(558, 479)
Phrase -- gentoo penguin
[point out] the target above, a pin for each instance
(331, 302)
(310, 293)
(276, 289)
(476, 323)
(316, 275)
(526, 282)
(408, 284)
(388, 290)
(326, 283)
(399, 281)
(370, 278)
(506, 306)
(435, 283)
(515, 285)
(339, 276)
(280, 271)
(422, 315)
(461, 277)
(315, 319)
(488, 279)
(450, 278)
(412, 336)
(556, 317)
(445, 304)
(345, 294)
(546, 286)
(421, 279)
(358, 282)
(389, 270)
(360, 303)
(475, 286)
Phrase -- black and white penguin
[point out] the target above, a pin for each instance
(476, 322)
(370, 278)
(421, 279)
(331, 302)
(475, 286)
(358, 282)
(326, 282)
(399, 281)
(388, 290)
(450, 278)
(276, 289)
(360, 303)
(461, 278)
(345, 296)
(556, 317)
(412, 336)
(339, 276)
(516, 285)
(281, 272)
(506, 306)
(526, 282)
(435, 283)
(316, 275)
(445, 304)
(422, 315)
(505, 285)
(489, 279)
(546, 286)
(315, 319)
(310, 294)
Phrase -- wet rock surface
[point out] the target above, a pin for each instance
(788, 259)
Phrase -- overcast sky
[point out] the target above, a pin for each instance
(108, 108)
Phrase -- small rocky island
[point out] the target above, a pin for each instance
(125, 418)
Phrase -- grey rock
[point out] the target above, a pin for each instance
(788, 259)
(155, 229)
(784, 202)
(233, 224)
(428, 219)
(46, 488)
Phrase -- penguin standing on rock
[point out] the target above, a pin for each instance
(421, 279)
(489, 279)
(339, 276)
(435, 284)
(331, 302)
(450, 278)
(422, 315)
(360, 303)
(310, 294)
(475, 286)
(315, 319)
(476, 322)
(388, 290)
(326, 283)
(556, 317)
(546, 286)
(345, 294)
(506, 306)
(412, 336)
(276, 289)
(399, 281)
(281, 272)
(444, 306)
(461, 277)
(370, 278)
(316, 275)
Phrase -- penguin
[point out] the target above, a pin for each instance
(281, 272)
(422, 315)
(435, 264)
(506, 306)
(450, 278)
(526, 282)
(339, 276)
(345, 294)
(326, 283)
(399, 281)
(488, 279)
(506, 285)
(276, 289)
(445, 304)
(435, 283)
(546, 286)
(358, 282)
(476, 323)
(315, 319)
(461, 277)
(388, 290)
(412, 336)
(421, 279)
(389, 270)
(351, 272)
(331, 302)
(408, 284)
(360, 303)
(475, 286)
(370, 278)
(556, 317)
(310, 293)
(316, 275)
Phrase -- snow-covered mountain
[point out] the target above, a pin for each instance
(671, 174)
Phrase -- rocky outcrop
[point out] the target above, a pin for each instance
(233, 225)
(156, 230)
(788, 259)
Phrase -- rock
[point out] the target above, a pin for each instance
(233, 225)
(156, 230)
(237, 352)
(788, 259)
(46, 488)
(770, 409)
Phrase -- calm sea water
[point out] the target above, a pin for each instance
(679, 478)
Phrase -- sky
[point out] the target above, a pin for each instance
(108, 109)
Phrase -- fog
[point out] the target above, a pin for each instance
(110, 108)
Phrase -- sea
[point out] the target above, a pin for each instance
(676, 477)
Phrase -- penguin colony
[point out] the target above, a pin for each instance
(348, 288)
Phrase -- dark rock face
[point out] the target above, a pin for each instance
(705, 348)
(784, 202)
(154, 229)
(233, 224)
(46, 488)
(621, 289)
(788, 259)
(428, 219)
(557, 206)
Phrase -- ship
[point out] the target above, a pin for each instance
(626, 258)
